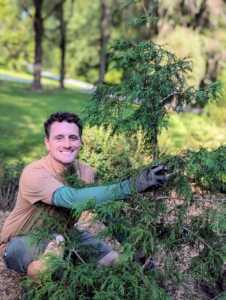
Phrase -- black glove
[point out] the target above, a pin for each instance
(150, 177)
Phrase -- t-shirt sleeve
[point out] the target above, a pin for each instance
(85, 172)
(37, 184)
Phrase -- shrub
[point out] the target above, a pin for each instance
(119, 153)
(10, 171)
(182, 225)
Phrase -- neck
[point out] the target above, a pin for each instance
(58, 166)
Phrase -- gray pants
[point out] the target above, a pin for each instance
(20, 252)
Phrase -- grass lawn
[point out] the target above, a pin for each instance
(191, 131)
(26, 75)
(23, 113)
(29, 76)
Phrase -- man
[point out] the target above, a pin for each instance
(41, 191)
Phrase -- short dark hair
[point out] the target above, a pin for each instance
(61, 116)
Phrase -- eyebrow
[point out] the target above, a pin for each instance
(62, 135)
(58, 135)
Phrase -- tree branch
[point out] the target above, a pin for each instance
(170, 95)
(71, 12)
(79, 257)
(199, 238)
(144, 8)
(55, 7)
(25, 8)
(76, 253)
(195, 199)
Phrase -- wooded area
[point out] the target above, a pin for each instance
(179, 227)
(74, 38)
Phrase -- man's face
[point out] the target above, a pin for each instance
(64, 143)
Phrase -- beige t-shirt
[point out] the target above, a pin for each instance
(38, 181)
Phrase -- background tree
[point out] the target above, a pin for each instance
(202, 23)
(16, 38)
(38, 21)
(109, 10)
(182, 225)
(56, 32)
(82, 59)
(192, 29)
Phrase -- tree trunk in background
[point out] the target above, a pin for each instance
(201, 18)
(105, 14)
(38, 28)
(62, 45)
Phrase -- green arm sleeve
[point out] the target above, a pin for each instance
(71, 197)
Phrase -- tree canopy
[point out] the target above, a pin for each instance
(193, 29)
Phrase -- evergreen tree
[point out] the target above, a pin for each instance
(182, 225)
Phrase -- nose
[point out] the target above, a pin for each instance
(67, 143)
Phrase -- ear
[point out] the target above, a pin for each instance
(46, 143)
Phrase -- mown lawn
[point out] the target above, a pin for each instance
(22, 113)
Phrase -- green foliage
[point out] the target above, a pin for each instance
(180, 225)
(22, 115)
(202, 38)
(222, 78)
(116, 282)
(10, 171)
(155, 80)
(119, 154)
(186, 43)
(16, 36)
(184, 233)
(143, 20)
(21, 125)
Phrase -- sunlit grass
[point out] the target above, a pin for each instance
(28, 76)
(25, 75)
(23, 113)
(191, 131)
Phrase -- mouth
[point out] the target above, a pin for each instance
(67, 152)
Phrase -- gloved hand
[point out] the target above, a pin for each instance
(150, 177)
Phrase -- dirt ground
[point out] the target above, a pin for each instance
(10, 280)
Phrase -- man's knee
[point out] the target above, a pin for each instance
(108, 259)
(33, 268)
(54, 247)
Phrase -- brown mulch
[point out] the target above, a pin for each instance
(10, 280)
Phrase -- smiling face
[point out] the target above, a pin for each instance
(63, 144)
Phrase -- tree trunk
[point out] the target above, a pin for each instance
(62, 46)
(38, 28)
(201, 18)
(103, 41)
(156, 156)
